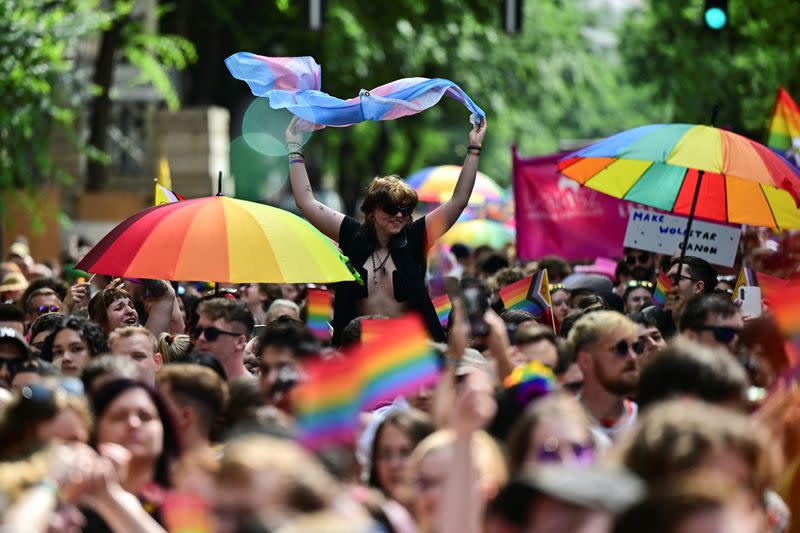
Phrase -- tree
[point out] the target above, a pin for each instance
(687, 68)
(40, 86)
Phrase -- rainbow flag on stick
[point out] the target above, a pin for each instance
(443, 307)
(663, 286)
(320, 310)
(335, 391)
(530, 294)
(166, 196)
(747, 278)
(783, 132)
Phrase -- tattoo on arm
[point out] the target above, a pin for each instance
(308, 188)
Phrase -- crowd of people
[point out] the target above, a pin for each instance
(134, 405)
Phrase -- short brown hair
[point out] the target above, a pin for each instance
(44, 291)
(529, 332)
(130, 331)
(388, 190)
(98, 305)
(229, 310)
(198, 386)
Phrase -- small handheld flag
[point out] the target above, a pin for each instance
(335, 391)
(662, 288)
(320, 311)
(443, 307)
(783, 132)
(747, 278)
(530, 294)
(164, 179)
(166, 196)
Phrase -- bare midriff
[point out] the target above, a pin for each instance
(380, 291)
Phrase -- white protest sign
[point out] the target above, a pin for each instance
(661, 233)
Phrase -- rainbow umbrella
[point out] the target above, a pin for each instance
(218, 239)
(692, 170)
(480, 232)
(436, 184)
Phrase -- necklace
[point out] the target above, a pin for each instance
(380, 267)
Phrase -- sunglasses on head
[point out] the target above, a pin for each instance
(622, 348)
(723, 334)
(557, 287)
(640, 283)
(632, 259)
(211, 334)
(42, 309)
(392, 210)
(550, 451)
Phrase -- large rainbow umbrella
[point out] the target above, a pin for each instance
(436, 184)
(218, 239)
(480, 232)
(692, 170)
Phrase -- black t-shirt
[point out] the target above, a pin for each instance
(409, 252)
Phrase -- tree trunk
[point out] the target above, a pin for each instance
(97, 171)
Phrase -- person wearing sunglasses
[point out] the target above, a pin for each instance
(40, 302)
(641, 264)
(223, 329)
(607, 347)
(389, 249)
(712, 320)
(13, 354)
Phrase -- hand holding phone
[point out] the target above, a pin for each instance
(751, 301)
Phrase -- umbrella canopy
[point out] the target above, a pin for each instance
(218, 239)
(480, 232)
(436, 184)
(743, 181)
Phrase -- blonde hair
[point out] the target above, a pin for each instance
(590, 327)
(173, 347)
(129, 331)
(388, 190)
(487, 456)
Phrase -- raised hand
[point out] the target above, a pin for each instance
(475, 405)
(478, 133)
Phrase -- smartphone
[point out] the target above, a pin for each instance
(476, 303)
(259, 330)
(751, 300)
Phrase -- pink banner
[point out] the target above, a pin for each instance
(556, 216)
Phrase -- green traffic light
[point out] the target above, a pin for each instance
(716, 18)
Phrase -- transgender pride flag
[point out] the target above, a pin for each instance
(294, 83)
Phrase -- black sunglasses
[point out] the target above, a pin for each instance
(676, 278)
(622, 348)
(42, 309)
(723, 334)
(211, 334)
(392, 210)
(632, 259)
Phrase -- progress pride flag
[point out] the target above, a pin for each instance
(556, 216)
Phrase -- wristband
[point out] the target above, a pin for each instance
(296, 154)
(293, 161)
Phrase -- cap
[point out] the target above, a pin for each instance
(593, 487)
(13, 281)
(588, 282)
(13, 336)
(20, 249)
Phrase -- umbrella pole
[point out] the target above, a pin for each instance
(216, 288)
(690, 220)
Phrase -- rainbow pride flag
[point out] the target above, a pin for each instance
(320, 311)
(443, 307)
(335, 391)
(663, 286)
(530, 294)
(747, 278)
(783, 132)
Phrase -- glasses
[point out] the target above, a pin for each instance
(642, 259)
(392, 210)
(640, 283)
(723, 334)
(211, 334)
(551, 451)
(622, 348)
(42, 309)
(676, 278)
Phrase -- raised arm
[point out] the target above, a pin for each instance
(322, 217)
(443, 217)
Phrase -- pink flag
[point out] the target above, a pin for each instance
(556, 216)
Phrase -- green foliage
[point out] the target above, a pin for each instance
(687, 68)
(154, 54)
(39, 84)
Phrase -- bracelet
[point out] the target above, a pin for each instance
(290, 144)
(473, 149)
(297, 154)
(293, 161)
(476, 146)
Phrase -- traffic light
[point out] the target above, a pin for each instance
(715, 14)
